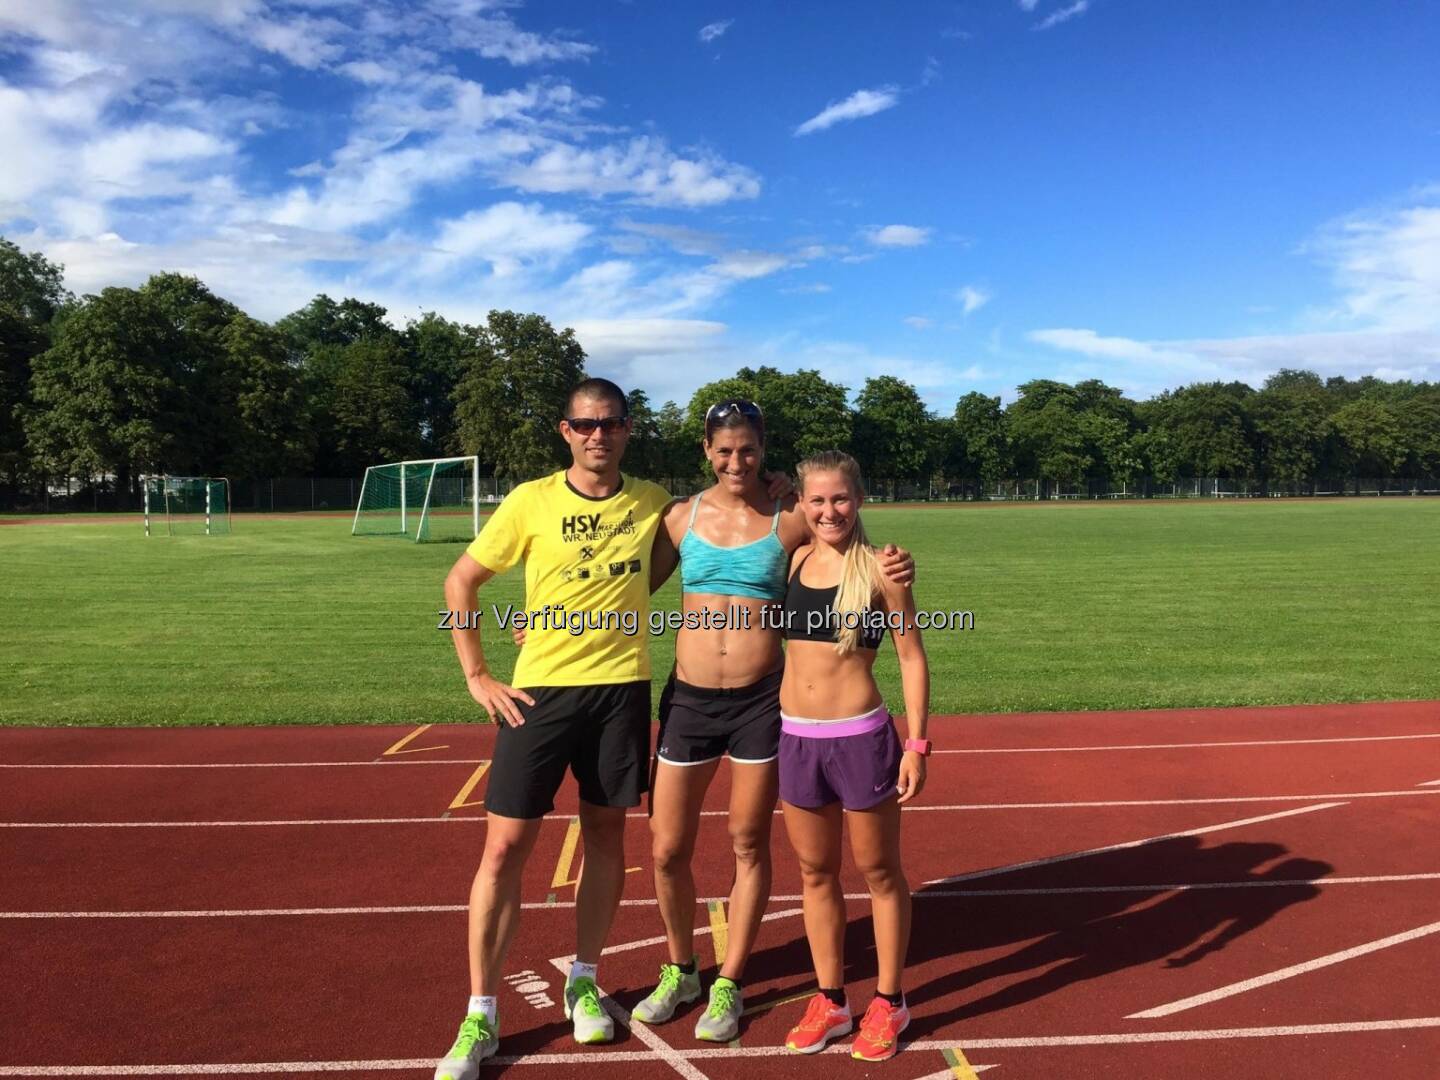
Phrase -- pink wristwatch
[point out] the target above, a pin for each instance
(920, 746)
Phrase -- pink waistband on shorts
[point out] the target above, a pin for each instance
(834, 729)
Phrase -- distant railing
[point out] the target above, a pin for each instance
(289, 494)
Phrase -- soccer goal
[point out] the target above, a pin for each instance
(436, 499)
(187, 504)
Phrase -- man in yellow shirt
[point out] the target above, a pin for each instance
(580, 698)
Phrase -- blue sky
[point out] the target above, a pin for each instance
(965, 194)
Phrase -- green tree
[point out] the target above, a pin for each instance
(107, 393)
(32, 292)
(645, 456)
(982, 443)
(31, 286)
(324, 322)
(1371, 436)
(1292, 422)
(198, 320)
(1206, 428)
(1419, 420)
(374, 416)
(438, 352)
(514, 392)
(266, 426)
(891, 430)
(677, 452)
(1045, 432)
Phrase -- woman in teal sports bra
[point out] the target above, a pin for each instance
(734, 543)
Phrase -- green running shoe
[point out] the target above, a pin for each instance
(721, 1020)
(674, 989)
(476, 1042)
(582, 1005)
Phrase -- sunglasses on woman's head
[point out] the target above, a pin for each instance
(586, 425)
(721, 409)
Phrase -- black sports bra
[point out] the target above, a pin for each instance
(810, 614)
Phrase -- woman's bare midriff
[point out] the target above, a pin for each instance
(740, 649)
(819, 685)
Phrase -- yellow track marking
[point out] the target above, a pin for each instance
(719, 931)
(567, 856)
(958, 1065)
(399, 747)
(459, 803)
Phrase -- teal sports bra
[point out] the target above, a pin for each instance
(756, 569)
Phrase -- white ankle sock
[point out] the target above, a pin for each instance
(585, 971)
(479, 1004)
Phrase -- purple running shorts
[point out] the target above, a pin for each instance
(854, 762)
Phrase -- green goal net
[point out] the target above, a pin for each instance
(180, 505)
(430, 500)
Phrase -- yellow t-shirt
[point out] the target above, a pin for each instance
(587, 578)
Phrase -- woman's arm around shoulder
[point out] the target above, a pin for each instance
(665, 551)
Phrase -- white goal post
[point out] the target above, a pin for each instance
(424, 499)
(187, 504)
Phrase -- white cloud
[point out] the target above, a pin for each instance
(645, 169)
(1028, 5)
(1146, 367)
(126, 159)
(818, 288)
(1386, 264)
(369, 72)
(497, 38)
(918, 322)
(715, 30)
(1055, 18)
(507, 235)
(972, 299)
(899, 236)
(861, 103)
(305, 42)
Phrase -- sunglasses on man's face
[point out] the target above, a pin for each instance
(586, 425)
(721, 409)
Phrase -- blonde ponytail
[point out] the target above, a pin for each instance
(860, 573)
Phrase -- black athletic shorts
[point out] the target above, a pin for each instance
(601, 732)
(701, 723)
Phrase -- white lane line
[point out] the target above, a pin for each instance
(243, 824)
(394, 762)
(387, 763)
(541, 905)
(658, 1046)
(1190, 745)
(1210, 801)
(1431, 783)
(563, 819)
(599, 1057)
(1285, 973)
(1050, 860)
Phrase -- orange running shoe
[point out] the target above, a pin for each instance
(822, 1022)
(880, 1031)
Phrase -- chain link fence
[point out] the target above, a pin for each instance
(299, 494)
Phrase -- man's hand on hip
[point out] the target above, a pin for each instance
(497, 698)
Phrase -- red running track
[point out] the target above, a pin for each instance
(1270, 908)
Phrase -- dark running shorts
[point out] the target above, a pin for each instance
(700, 723)
(854, 762)
(602, 733)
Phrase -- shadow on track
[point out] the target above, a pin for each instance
(1068, 937)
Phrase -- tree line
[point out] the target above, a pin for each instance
(168, 377)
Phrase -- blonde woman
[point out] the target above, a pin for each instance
(839, 751)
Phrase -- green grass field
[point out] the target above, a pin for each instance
(1079, 606)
